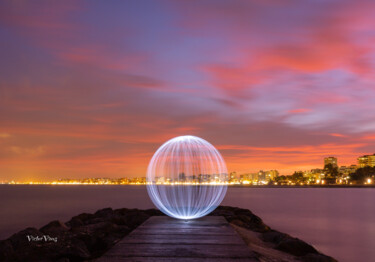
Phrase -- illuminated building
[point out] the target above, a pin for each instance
(271, 174)
(330, 160)
(314, 175)
(347, 170)
(233, 178)
(366, 160)
(261, 175)
(317, 171)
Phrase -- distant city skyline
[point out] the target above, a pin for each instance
(91, 89)
(262, 176)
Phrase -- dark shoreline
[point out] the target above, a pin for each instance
(89, 236)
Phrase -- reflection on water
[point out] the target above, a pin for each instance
(339, 222)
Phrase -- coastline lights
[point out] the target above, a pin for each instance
(187, 178)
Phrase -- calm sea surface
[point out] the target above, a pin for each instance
(338, 221)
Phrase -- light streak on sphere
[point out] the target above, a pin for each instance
(187, 177)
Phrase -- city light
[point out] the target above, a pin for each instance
(315, 176)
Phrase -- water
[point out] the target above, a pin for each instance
(339, 222)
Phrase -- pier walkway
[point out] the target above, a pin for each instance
(162, 238)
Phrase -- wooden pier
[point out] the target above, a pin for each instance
(162, 238)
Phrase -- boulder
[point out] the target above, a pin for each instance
(74, 222)
(55, 227)
(84, 217)
(20, 238)
(19, 248)
(6, 250)
(242, 217)
(317, 258)
(295, 247)
(105, 212)
(154, 212)
(274, 236)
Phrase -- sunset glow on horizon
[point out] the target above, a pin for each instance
(92, 89)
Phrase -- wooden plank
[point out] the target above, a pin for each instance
(166, 239)
(181, 250)
(185, 225)
(211, 220)
(181, 239)
(166, 226)
(169, 259)
(184, 231)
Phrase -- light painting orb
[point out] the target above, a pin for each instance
(187, 178)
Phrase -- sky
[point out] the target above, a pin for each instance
(93, 88)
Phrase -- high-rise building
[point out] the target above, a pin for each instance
(330, 160)
(366, 160)
(362, 161)
(371, 160)
(271, 174)
(233, 175)
(261, 175)
(233, 178)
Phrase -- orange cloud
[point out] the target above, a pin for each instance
(4, 135)
(337, 135)
(299, 110)
(369, 137)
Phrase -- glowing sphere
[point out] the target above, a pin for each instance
(187, 178)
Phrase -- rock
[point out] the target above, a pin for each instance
(20, 238)
(242, 217)
(223, 211)
(6, 250)
(55, 227)
(97, 220)
(238, 222)
(106, 213)
(88, 236)
(17, 242)
(70, 249)
(96, 228)
(246, 219)
(317, 258)
(76, 250)
(101, 236)
(295, 247)
(74, 222)
(274, 236)
(135, 217)
(154, 212)
(84, 217)
(253, 222)
(20, 248)
(121, 211)
(291, 245)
